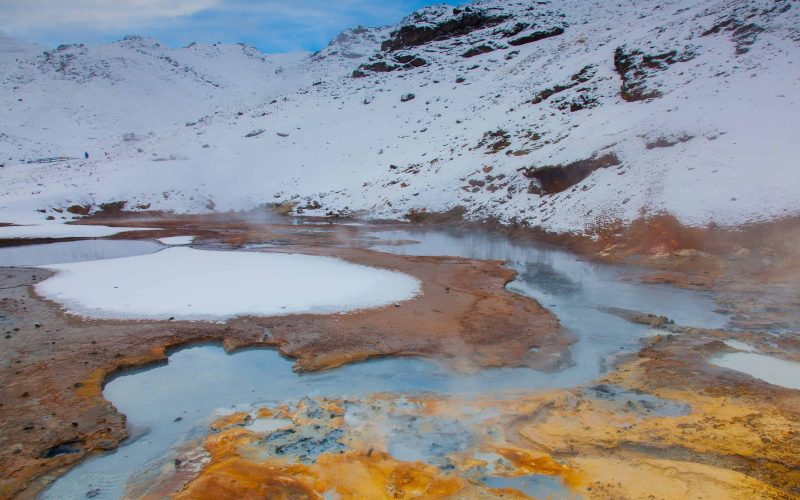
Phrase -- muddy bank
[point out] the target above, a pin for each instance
(52, 412)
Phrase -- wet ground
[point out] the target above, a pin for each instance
(608, 381)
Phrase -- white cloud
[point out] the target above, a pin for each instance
(21, 16)
(273, 25)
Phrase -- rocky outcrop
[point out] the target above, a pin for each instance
(478, 50)
(399, 61)
(554, 179)
(742, 33)
(536, 36)
(584, 75)
(668, 142)
(463, 23)
(635, 67)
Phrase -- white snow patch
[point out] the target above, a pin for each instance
(177, 240)
(265, 425)
(64, 231)
(195, 284)
(776, 371)
(739, 345)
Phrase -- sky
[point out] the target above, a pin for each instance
(270, 25)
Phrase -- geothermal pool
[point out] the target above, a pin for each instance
(170, 404)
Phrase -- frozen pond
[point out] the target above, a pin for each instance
(192, 284)
(57, 230)
(74, 251)
(770, 369)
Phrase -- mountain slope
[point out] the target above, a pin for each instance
(566, 115)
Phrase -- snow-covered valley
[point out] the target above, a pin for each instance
(564, 115)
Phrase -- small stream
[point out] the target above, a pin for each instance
(169, 404)
(577, 291)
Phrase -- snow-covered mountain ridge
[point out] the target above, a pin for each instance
(565, 115)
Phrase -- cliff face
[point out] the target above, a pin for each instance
(569, 116)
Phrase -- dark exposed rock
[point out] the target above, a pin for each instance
(514, 30)
(406, 97)
(536, 36)
(416, 62)
(255, 133)
(63, 449)
(478, 50)
(466, 22)
(582, 76)
(582, 101)
(404, 58)
(112, 207)
(635, 67)
(554, 179)
(495, 141)
(743, 34)
(422, 216)
(79, 209)
(665, 142)
(379, 67)
(641, 318)
(405, 61)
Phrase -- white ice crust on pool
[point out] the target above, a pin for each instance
(196, 284)
(177, 240)
(770, 369)
(57, 230)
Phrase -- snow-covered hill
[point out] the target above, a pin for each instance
(566, 115)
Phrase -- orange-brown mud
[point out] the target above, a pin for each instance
(665, 423)
(54, 364)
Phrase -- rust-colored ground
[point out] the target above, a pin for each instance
(739, 438)
(53, 373)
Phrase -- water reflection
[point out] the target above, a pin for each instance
(577, 291)
(74, 251)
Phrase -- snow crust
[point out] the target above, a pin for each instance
(195, 284)
(56, 230)
(768, 368)
(177, 240)
(226, 127)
